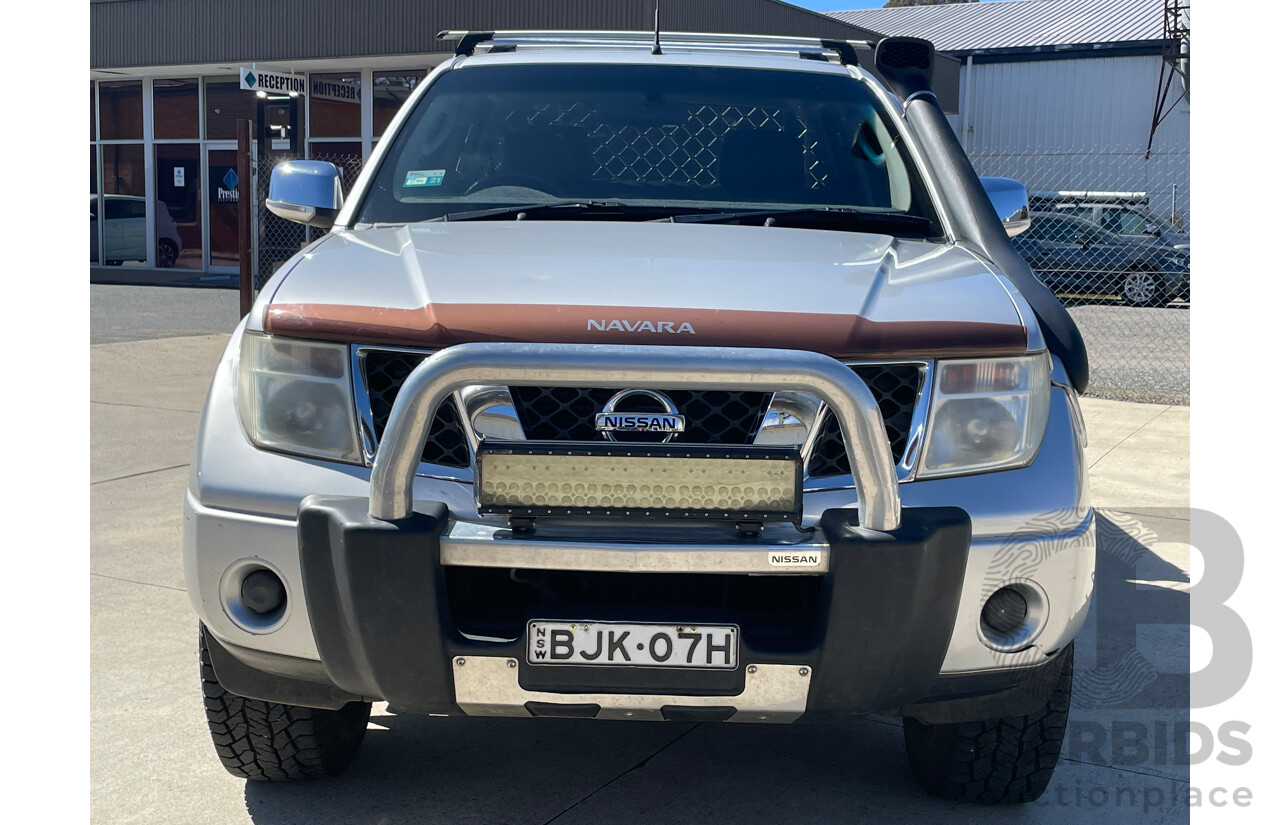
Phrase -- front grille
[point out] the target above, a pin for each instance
(896, 388)
(384, 372)
(711, 416)
(568, 413)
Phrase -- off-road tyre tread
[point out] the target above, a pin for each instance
(269, 741)
(995, 761)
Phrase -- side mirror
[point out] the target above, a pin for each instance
(306, 191)
(1152, 229)
(1009, 197)
(1084, 242)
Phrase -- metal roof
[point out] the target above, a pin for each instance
(126, 33)
(1019, 24)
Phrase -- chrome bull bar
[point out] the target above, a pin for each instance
(620, 367)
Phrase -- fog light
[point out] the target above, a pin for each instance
(262, 592)
(1004, 612)
(1013, 617)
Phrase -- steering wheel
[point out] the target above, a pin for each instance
(510, 179)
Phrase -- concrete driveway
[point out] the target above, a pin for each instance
(152, 761)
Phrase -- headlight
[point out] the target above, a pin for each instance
(295, 396)
(987, 414)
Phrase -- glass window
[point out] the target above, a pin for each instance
(93, 204)
(1123, 221)
(122, 170)
(178, 239)
(176, 105)
(661, 137)
(1053, 229)
(334, 102)
(124, 227)
(390, 91)
(224, 205)
(225, 103)
(121, 115)
(93, 112)
(117, 209)
(279, 119)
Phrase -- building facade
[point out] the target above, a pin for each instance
(169, 79)
(1064, 94)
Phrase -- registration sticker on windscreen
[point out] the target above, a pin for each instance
(635, 645)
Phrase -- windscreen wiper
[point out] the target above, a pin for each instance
(571, 209)
(817, 217)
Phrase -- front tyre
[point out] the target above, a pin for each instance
(276, 742)
(996, 760)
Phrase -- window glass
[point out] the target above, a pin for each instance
(1123, 222)
(93, 204)
(224, 205)
(176, 105)
(225, 103)
(278, 115)
(334, 101)
(93, 113)
(390, 90)
(651, 136)
(1052, 229)
(178, 240)
(124, 228)
(122, 170)
(121, 115)
(117, 209)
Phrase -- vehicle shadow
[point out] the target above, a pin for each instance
(1132, 686)
(447, 770)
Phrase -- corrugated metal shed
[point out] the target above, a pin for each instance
(1019, 24)
(126, 33)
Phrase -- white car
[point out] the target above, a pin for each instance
(124, 231)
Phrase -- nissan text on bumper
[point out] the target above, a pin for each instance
(494, 448)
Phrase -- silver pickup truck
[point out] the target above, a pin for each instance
(689, 379)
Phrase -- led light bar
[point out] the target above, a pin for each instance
(639, 480)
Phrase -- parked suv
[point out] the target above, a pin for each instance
(690, 379)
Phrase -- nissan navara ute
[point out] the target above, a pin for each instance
(685, 378)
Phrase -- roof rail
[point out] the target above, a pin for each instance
(842, 51)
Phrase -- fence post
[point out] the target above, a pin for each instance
(244, 190)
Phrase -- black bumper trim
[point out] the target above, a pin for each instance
(970, 697)
(379, 613)
(272, 677)
(376, 600)
(891, 600)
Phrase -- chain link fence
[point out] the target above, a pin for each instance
(1110, 235)
(276, 240)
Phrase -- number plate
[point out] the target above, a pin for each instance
(637, 645)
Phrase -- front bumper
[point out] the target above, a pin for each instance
(907, 632)
(889, 600)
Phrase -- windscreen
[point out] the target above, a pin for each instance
(725, 138)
